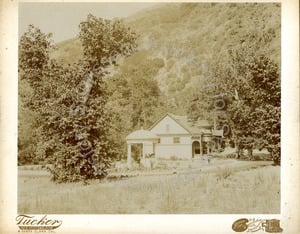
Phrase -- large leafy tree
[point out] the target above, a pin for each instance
(254, 111)
(249, 84)
(267, 91)
(74, 122)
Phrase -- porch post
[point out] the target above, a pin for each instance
(208, 148)
(201, 147)
(128, 155)
(143, 152)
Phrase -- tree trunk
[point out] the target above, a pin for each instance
(237, 149)
(250, 153)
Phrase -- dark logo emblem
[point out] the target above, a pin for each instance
(240, 225)
(254, 225)
(27, 222)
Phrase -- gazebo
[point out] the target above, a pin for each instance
(144, 137)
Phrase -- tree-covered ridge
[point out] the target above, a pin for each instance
(203, 27)
(188, 36)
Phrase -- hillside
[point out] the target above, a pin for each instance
(189, 36)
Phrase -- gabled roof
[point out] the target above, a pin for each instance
(193, 128)
(141, 135)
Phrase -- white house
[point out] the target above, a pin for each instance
(172, 135)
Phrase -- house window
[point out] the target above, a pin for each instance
(176, 140)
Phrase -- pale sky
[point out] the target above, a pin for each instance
(62, 19)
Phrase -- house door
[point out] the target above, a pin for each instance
(196, 148)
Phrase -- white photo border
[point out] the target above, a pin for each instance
(289, 215)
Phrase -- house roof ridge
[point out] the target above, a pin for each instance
(183, 121)
(173, 116)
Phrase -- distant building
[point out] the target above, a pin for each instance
(172, 135)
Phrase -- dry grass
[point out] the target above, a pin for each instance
(220, 192)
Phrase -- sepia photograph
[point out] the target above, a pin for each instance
(149, 108)
(149, 117)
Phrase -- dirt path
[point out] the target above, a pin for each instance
(199, 166)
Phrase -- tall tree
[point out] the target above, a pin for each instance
(267, 89)
(252, 83)
(71, 101)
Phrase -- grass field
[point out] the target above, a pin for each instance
(251, 187)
